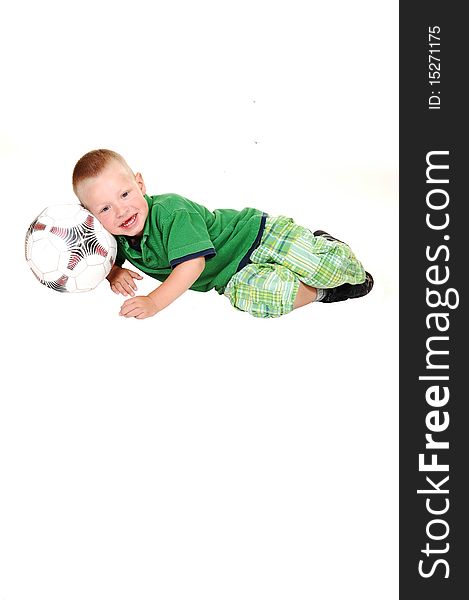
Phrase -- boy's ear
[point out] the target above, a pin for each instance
(140, 183)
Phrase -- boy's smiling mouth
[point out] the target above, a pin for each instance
(129, 222)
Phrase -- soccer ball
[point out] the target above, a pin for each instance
(68, 249)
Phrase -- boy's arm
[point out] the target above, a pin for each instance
(180, 280)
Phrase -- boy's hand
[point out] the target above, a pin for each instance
(180, 280)
(139, 307)
(122, 281)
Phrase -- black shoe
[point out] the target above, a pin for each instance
(347, 291)
(326, 235)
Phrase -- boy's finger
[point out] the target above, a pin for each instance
(127, 305)
(135, 312)
(129, 312)
(134, 274)
(121, 289)
(127, 288)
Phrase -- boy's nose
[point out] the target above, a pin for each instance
(120, 210)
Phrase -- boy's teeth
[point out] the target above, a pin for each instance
(129, 220)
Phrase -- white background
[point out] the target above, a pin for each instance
(202, 453)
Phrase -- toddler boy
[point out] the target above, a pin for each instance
(265, 265)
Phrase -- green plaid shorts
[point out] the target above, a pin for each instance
(288, 254)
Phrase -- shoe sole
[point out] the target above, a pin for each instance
(347, 291)
(368, 286)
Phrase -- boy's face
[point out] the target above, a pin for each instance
(115, 198)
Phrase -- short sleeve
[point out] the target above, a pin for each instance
(186, 237)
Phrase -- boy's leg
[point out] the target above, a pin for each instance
(291, 268)
(317, 261)
(346, 291)
(306, 294)
(267, 290)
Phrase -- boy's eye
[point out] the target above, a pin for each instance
(105, 209)
(125, 194)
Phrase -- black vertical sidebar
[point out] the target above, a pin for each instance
(434, 252)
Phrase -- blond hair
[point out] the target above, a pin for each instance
(93, 164)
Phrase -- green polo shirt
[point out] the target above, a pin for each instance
(178, 229)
